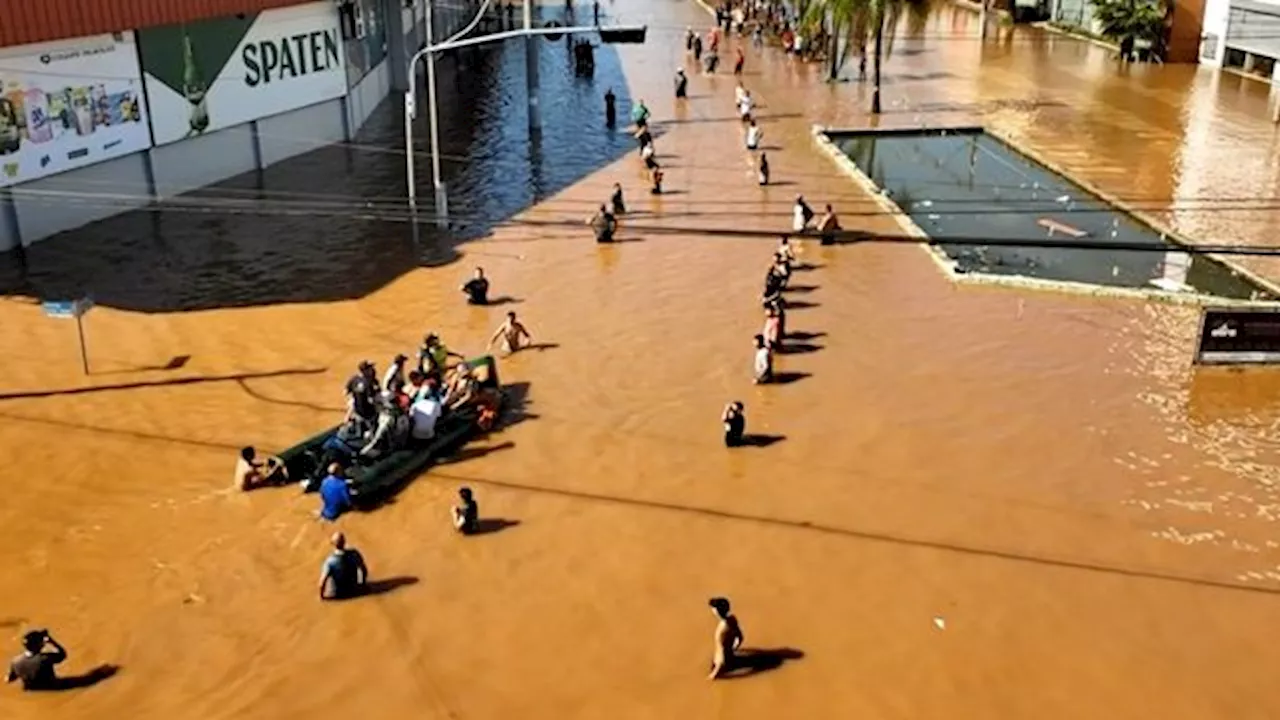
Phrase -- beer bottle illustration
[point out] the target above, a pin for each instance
(194, 88)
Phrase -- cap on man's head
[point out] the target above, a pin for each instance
(721, 605)
(247, 453)
(465, 493)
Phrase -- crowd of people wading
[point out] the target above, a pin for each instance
(344, 572)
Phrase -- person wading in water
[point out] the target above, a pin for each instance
(829, 226)
(728, 638)
(477, 288)
(615, 200)
(344, 574)
(735, 424)
(604, 225)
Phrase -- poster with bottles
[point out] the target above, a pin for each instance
(208, 75)
(70, 103)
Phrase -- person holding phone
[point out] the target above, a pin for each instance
(35, 666)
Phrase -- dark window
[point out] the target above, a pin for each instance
(1234, 58)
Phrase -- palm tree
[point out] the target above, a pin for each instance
(1128, 21)
(861, 22)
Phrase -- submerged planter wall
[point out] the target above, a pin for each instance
(966, 183)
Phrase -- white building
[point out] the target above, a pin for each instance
(1243, 35)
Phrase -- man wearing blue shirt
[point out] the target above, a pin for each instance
(335, 496)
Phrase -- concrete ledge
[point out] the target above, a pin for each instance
(948, 266)
(1141, 215)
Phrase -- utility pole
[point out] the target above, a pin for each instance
(634, 34)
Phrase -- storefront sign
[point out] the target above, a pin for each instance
(209, 75)
(68, 104)
(1239, 336)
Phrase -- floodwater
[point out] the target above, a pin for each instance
(983, 503)
(965, 185)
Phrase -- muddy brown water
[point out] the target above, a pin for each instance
(1091, 521)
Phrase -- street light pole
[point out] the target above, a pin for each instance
(628, 34)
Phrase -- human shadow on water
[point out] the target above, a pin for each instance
(515, 406)
(801, 304)
(488, 526)
(751, 661)
(502, 300)
(83, 680)
(788, 377)
(801, 335)
(779, 183)
(472, 452)
(806, 267)
(672, 192)
(800, 288)
(381, 586)
(798, 348)
(761, 439)
(540, 346)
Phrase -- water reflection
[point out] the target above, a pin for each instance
(968, 184)
(333, 223)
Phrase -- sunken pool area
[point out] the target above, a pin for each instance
(967, 185)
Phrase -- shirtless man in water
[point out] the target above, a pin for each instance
(727, 640)
(511, 332)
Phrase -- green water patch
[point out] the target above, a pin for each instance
(969, 186)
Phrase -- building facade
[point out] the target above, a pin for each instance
(1243, 35)
(100, 123)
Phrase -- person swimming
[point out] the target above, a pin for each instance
(512, 332)
(762, 172)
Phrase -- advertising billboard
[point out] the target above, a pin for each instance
(68, 104)
(1230, 336)
(212, 74)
